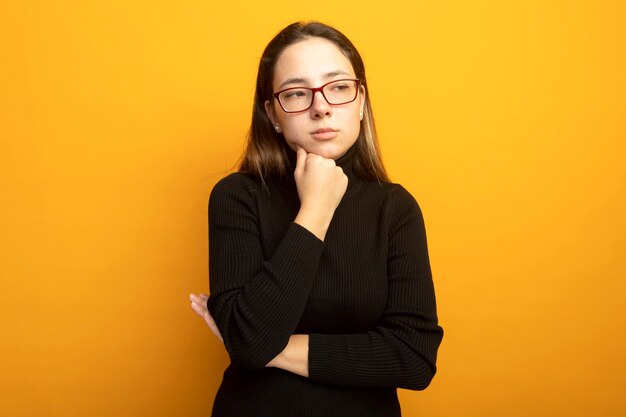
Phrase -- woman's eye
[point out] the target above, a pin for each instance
(340, 87)
(294, 94)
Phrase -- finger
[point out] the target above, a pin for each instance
(209, 320)
(200, 299)
(213, 326)
(200, 310)
(199, 303)
(301, 159)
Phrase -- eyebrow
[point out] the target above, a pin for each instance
(297, 80)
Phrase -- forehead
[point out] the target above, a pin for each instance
(310, 59)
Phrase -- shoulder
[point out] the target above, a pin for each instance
(236, 188)
(403, 198)
(401, 204)
(396, 196)
(236, 183)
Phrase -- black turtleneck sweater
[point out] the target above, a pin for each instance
(364, 296)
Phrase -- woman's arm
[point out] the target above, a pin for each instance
(293, 358)
(257, 302)
(401, 350)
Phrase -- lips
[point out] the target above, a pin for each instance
(325, 133)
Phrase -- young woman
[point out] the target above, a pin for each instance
(321, 287)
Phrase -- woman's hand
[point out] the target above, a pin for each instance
(295, 357)
(198, 304)
(321, 185)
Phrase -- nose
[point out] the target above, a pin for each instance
(320, 106)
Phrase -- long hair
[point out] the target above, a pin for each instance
(266, 150)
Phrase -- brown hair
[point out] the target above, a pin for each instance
(266, 151)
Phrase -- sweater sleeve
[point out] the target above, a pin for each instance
(401, 350)
(255, 302)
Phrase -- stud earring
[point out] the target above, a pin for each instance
(277, 128)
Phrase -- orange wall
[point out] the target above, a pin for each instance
(506, 120)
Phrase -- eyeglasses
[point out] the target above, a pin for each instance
(297, 99)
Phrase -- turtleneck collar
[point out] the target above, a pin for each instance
(346, 160)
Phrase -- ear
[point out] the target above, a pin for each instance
(269, 109)
(362, 95)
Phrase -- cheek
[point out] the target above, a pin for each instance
(293, 133)
(353, 122)
(292, 126)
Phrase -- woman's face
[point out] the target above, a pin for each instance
(312, 63)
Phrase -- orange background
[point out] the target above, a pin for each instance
(506, 120)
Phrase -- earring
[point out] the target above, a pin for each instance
(277, 128)
(361, 114)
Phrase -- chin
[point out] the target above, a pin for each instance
(328, 153)
(324, 149)
(334, 155)
(328, 150)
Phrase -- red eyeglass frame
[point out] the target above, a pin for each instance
(315, 90)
